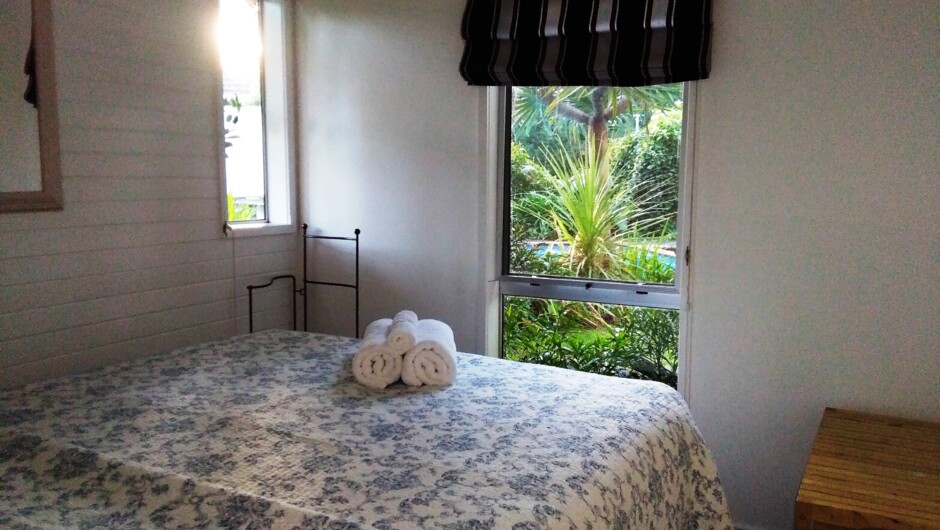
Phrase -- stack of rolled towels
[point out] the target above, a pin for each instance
(419, 352)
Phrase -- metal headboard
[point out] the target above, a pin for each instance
(307, 281)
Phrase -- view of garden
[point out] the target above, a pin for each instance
(594, 194)
(239, 41)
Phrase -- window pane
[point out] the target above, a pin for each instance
(240, 47)
(623, 341)
(594, 182)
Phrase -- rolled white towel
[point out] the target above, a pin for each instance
(376, 364)
(377, 329)
(433, 359)
(402, 333)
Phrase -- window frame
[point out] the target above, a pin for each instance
(278, 113)
(501, 283)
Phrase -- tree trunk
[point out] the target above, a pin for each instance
(598, 128)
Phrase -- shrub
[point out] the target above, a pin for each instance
(240, 212)
(614, 224)
(642, 343)
(621, 341)
(647, 163)
(527, 174)
(530, 261)
(529, 179)
(644, 264)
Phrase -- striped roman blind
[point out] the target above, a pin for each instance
(585, 42)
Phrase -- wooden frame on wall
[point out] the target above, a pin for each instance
(49, 196)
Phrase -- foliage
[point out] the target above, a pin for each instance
(612, 340)
(597, 169)
(609, 103)
(550, 113)
(534, 129)
(586, 211)
(531, 261)
(643, 263)
(528, 219)
(527, 173)
(231, 107)
(241, 212)
(528, 176)
(652, 338)
(642, 343)
(649, 164)
(643, 164)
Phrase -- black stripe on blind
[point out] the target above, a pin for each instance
(585, 42)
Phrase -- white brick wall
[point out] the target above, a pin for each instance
(136, 263)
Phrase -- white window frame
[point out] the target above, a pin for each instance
(581, 289)
(279, 129)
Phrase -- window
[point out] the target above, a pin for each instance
(592, 240)
(253, 43)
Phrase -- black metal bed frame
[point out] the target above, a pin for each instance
(307, 281)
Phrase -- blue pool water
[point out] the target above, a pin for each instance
(562, 248)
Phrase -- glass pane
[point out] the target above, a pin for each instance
(240, 49)
(622, 341)
(594, 182)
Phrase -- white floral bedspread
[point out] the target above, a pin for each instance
(271, 431)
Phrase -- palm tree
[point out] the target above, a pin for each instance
(596, 109)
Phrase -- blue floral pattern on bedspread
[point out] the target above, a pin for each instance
(270, 430)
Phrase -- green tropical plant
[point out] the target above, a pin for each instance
(529, 218)
(643, 263)
(612, 160)
(640, 343)
(587, 205)
(530, 261)
(596, 109)
(651, 340)
(650, 167)
(528, 176)
(527, 173)
(241, 212)
(648, 259)
(231, 107)
(587, 210)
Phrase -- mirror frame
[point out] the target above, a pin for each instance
(49, 197)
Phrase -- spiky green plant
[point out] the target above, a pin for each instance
(586, 209)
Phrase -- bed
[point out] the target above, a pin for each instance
(270, 430)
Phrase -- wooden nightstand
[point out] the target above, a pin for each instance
(869, 471)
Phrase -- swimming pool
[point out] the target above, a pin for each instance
(561, 248)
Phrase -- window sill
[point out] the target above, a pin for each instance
(238, 230)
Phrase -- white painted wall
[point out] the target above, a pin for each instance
(136, 263)
(815, 277)
(389, 137)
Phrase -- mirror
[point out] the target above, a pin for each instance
(30, 175)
